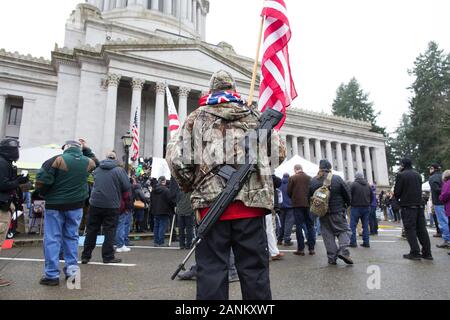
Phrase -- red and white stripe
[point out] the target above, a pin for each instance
(174, 120)
(135, 134)
(277, 88)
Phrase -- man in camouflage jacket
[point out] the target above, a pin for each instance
(210, 138)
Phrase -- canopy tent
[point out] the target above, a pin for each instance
(309, 168)
(426, 187)
(33, 158)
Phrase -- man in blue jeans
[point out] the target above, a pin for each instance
(439, 209)
(62, 181)
(362, 197)
(163, 204)
(298, 189)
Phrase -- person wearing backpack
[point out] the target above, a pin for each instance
(333, 221)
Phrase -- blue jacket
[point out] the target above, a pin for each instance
(287, 202)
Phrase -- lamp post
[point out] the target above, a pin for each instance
(127, 142)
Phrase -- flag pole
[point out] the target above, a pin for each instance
(255, 66)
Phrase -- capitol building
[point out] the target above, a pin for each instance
(119, 56)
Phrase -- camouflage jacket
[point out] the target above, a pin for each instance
(203, 145)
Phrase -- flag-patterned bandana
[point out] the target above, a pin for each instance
(221, 97)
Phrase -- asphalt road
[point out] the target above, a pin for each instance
(146, 275)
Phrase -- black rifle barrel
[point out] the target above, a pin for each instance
(235, 181)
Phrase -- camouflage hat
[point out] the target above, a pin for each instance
(222, 80)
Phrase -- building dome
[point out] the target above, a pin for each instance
(186, 18)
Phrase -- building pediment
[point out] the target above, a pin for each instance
(196, 57)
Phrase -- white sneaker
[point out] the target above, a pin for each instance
(123, 249)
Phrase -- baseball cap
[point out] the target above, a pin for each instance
(222, 80)
(72, 143)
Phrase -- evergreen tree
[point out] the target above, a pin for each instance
(352, 102)
(401, 146)
(429, 109)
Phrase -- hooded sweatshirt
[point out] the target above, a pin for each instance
(110, 182)
(361, 192)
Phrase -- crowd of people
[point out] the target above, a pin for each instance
(114, 206)
(250, 231)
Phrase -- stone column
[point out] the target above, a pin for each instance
(189, 10)
(359, 163)
(168, 7)
(284, 139)
(136, 101)
(26, 134)
(158, 141)
(380, 165)
(107, 5)
(368, 165)
(199, 20)
(340, 158)
(318, 149)
(294, 142)
(203, 26)
(194, 13)
(351, 170)
(3, 114)
(155, 5)
(307, 147)
(183, 94)
(183, 9)
(109, 131)
(329, 153)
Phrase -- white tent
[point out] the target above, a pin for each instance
(309, 168)
(33, 158)
(426, 187)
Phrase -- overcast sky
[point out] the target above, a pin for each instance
(375, 41)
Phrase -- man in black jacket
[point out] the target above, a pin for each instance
(162, 207)
(362, 197)
(9, 183)
(110, 183)
(408, 192)
(186, 222)
(436, 188)
(334, 224)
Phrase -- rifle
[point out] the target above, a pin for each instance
(235, 179)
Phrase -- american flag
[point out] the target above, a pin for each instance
(277, 88)
(135, 133)
(174, 120)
